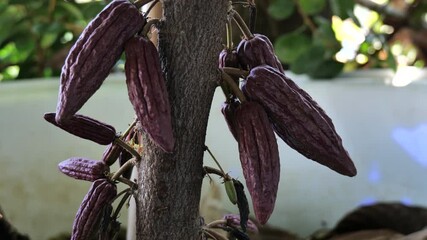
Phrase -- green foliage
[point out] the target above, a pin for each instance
(330, 36)
(290, 46)
(311, 7)
(281, 9)
(342, 8)
(35, 35)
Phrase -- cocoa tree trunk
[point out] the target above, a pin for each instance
(168, 197)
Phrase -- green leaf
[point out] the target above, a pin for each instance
(26, 46)
(312, 7)
(91, 9)
(9, 20)
(308, 61)
(390, 60)
(281, 9)
(325, 36)
(342, 8)
(3, 6)
(327, 69)
(70, 9)
(289, 46)
(17, 2)
(50, 34)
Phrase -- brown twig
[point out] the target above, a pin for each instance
(128, 148)
(385, 9)
(130, 163)
(307, 20)
(236, 71)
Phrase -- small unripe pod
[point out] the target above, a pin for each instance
(83, 169)
(231, 192)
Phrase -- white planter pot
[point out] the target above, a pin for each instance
(384, 128)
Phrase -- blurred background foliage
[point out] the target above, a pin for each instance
(320, 38)
(35, 36)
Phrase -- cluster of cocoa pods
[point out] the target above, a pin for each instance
(262, 101)
(117, 29)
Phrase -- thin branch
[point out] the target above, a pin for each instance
(128, 148)
(385, 9)
(130, 163)
(210, 170)
(236, 72)
(307, 20)
(241, 24)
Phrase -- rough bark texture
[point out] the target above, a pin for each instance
(170, 184)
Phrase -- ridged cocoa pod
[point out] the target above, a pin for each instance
(83, 169)
(111, 154)
(234, 220)
(147, 91)
(256, 52)
(298, 119)
(85, 127)
(259, 156)
(88, 217)
(228, 58)
(228, 109)
(94, 54)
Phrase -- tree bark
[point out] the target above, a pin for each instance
(169, 185)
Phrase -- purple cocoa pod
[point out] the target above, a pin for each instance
(111, 154)
(86, 127)
(298, 119)
(147, 91)
(94, 54)
(88, 218)
(228, 109)
(83, 169)
(257, 51)
(259, 157)
(233, 220)
(228, 58)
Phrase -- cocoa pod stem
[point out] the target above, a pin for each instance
(234, 87)
(241, 24)
(123, 168)
(236, 72)
(216, 161)
(128, 148)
